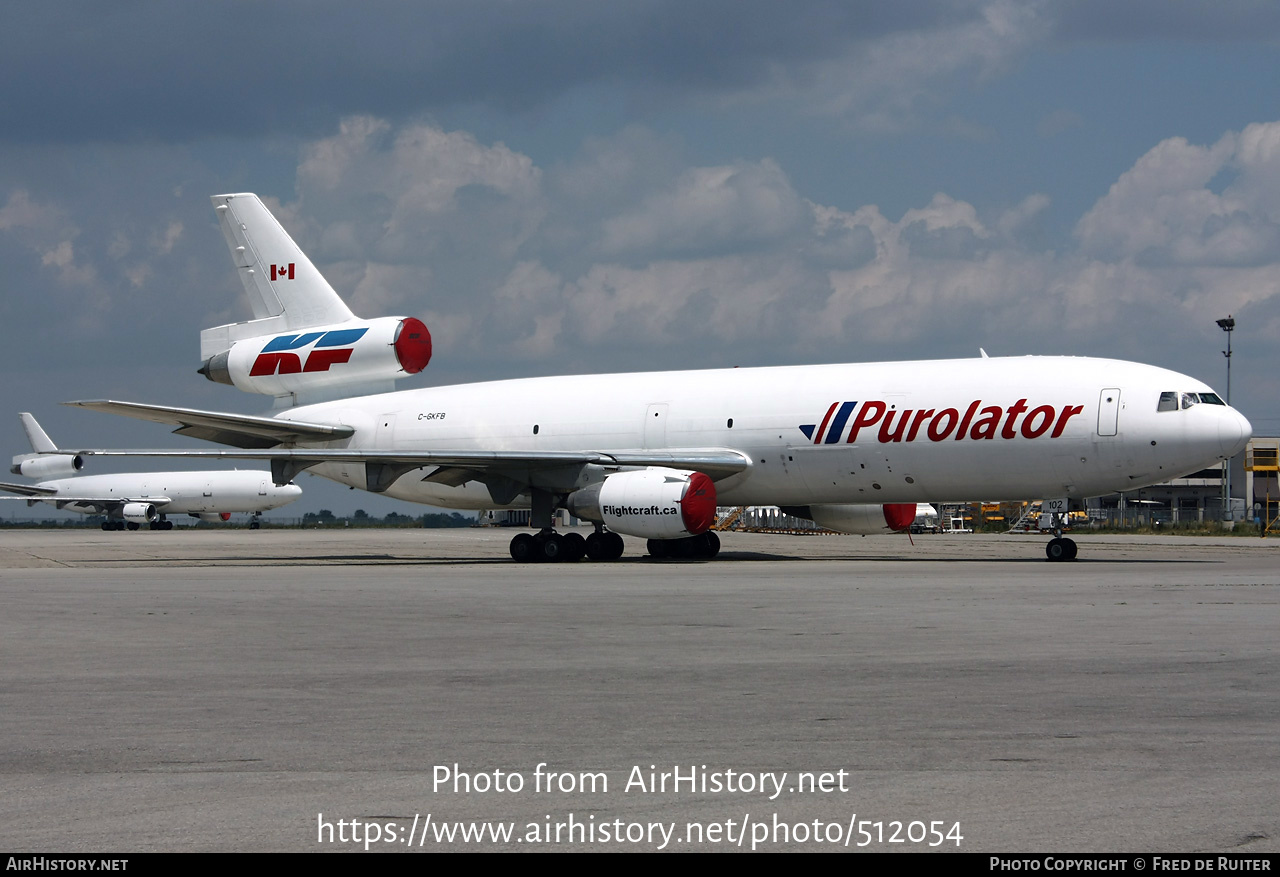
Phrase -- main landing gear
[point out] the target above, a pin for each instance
(552, 547)
(704, 546)
(549, 546)
(161, 523)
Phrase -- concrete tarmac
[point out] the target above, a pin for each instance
(287, 690)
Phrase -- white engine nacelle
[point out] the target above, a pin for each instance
(354, 352)
(140, 512)
(211, 517)
(47, 465)
(651, 503)
(859, 519)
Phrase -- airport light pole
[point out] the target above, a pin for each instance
(1228, 325)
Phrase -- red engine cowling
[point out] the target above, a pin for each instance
(653, 503)
(211, 517)
(864, 519)
(323, 357)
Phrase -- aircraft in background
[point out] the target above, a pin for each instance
(132, 499)
(652, 454)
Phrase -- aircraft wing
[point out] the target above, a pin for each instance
(382, 468)
(102, 502)
(27, 490)
(237, 430)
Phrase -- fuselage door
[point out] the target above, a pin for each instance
(384, 432)
(1109, 411)
(655, 425)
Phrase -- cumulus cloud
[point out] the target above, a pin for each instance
(876, 64)
(886, 83)
(1165, 211)
(581, 260)
(710, 209)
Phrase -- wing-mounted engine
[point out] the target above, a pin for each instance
(654, 503)
(211, 517)
(139, 513)
(358, 356)
(858, 519)
(47, 465)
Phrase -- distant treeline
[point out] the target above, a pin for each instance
(361, 518)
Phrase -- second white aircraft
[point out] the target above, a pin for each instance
(132, 499)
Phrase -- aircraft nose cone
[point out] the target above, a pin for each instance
(1234, 432)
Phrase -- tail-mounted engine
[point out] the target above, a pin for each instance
(47, 465)
(653, 503)
(350, 355)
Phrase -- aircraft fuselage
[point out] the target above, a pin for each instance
(1001, 428)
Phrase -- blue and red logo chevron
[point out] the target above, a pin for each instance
(278, 357)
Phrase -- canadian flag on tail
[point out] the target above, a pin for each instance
(282, 272)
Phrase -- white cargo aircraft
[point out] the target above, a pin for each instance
(131, 499)
(853, 447)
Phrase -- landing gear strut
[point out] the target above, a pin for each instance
(1060, 548)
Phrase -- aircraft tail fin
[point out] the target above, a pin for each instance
(286, 291)
(303, 344)
(45, 462)
(40, 441)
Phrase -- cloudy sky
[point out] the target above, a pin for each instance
(560, 187)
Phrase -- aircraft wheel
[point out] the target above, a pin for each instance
(254, 525)
(1071, 548)
(574, 547)
(1057, 550)
(107, 525)
(550, 548)
(134, 525)
(615, 546)
(711, 544)
(595, 546)
(658, 547)
(523, 547)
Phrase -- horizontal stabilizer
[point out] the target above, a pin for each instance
(237, 430)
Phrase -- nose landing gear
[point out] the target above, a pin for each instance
(1060, 548)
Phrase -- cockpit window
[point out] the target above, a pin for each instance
(1171, 401)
